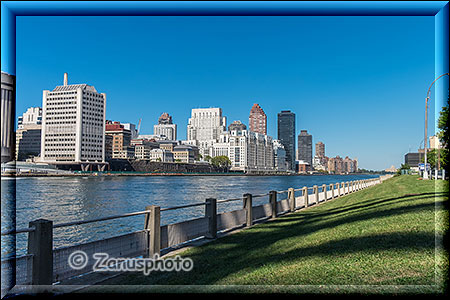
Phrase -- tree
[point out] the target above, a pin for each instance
(432, 158)
(443, 125)
(403, 167)
(221, 161)
(442, 134)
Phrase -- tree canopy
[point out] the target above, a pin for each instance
(221, 161)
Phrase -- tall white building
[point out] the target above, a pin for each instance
(205, 127)
(73, 124)
(28, 134)
(251, 152)
(165, 129)
(280, 162)
(33, 116)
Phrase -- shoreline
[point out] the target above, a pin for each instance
(99, 174)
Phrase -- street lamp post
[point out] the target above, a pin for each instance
(425, 173)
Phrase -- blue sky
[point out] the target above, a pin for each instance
(357, 84)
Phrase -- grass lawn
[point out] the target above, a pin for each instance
(384, 239)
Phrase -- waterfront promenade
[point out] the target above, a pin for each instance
(384, 239)
(213, 223)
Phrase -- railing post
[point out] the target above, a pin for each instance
(248, 209)
(273, 203)
(40, 245)
(211, 216)
(291, 197)
(324, 190)
(343, 189)
(332, 190)
(316, 194)
(153, 225)
(305, 195)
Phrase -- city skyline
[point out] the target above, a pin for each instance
(329, 113)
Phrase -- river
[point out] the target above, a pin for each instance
(65, 199)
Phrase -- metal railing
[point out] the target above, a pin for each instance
(33, 268)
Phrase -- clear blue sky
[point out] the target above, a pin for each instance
(357, 84)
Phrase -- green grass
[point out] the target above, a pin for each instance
(381, 239)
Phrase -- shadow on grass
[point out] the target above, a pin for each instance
(253, 248)
(366, 205)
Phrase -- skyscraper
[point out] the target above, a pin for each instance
(305, 147)
(28, 134)
(165, 127)
(205, 127)
(286, 135)
(257, 120)
(320, 149)
(73, 124)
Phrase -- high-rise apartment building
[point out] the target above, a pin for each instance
(28, 134)
(320, 149)
(336, 165)
(279, 156)
(121, 141)
(286, 135)
(73, 124)
(257, 120)
(251, 152)
(305, 147)
(165, 128)
(28, 142)
(33, 116)
(205, 127)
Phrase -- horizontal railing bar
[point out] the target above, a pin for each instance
(262, 195)
(228, 200)
(100, 219)
(282, 192)
(21, 230)
(183, 206)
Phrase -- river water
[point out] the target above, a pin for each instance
(65, 199)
